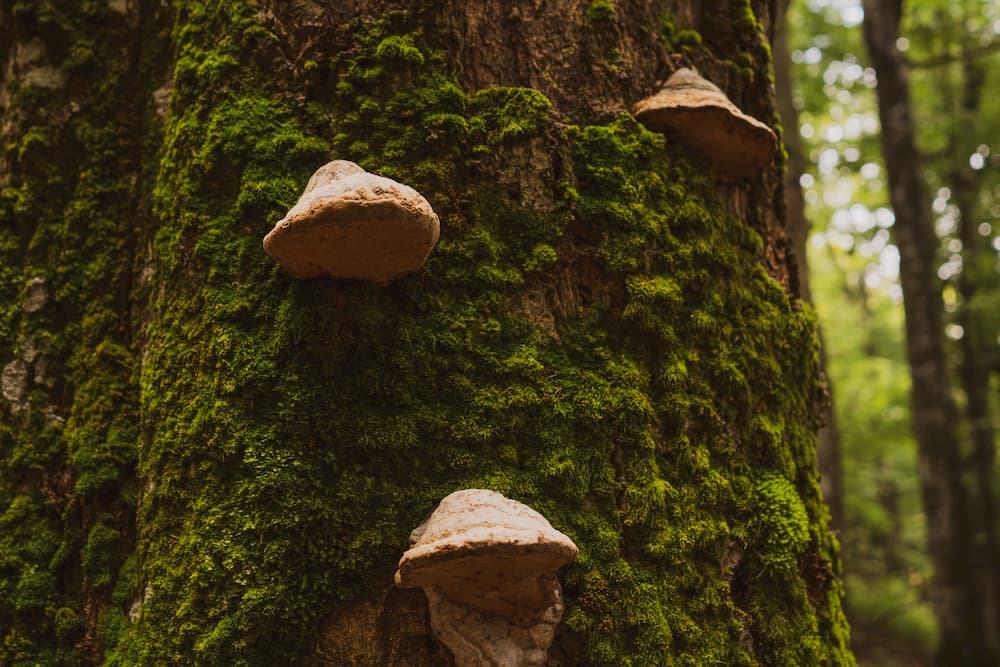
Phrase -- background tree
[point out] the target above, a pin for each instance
(955, 57)
(944, 52)
(935, 415)
(205, 461)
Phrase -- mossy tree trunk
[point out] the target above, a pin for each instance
(205, 461)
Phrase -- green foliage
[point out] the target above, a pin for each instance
(855, 277)
(858, 291)
(884, 538)
(899, 610)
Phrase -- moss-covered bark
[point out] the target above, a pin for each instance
(227, 462)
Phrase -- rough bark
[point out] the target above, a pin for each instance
(205, 461)
(956, 600)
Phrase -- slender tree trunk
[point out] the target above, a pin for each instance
(828, 440)
(974, 375)
(957, 602)
(974, 372)
(207, 462)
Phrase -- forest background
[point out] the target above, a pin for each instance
(949, 50)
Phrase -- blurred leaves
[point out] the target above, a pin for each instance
(855, 268)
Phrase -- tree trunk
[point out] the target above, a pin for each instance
(976, 346)
(205, 461)
(965, 640)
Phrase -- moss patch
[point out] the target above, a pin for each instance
(600, 11)
(293, 433)
(67, 489)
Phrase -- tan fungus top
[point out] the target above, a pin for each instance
(352, 224)
(477, 543)
(702, 118)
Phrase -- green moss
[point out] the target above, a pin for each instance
(542, 257)
(100, 558)
(677, 39)
(399, 49)
(744, 17)
(600, 11)
(510, 113)
(778, 531)
(754, 47)
(69, 626)
(292, 434)
(35, 589)
(632, 431)
(68, 211)
(692, 285)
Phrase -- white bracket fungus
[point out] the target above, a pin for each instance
(352, 224)
(488, 567)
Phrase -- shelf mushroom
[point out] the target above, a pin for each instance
(349, 223)
(703, 119)
(488, 567)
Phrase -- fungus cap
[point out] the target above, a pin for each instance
(349, 223)
(704, 119)
(488, 552)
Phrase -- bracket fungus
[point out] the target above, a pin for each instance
(703, 119)
(349, 223)
(488, 567)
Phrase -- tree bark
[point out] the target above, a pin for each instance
(974, 375)
(205, 461)
(957, 602)
(976, 347)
